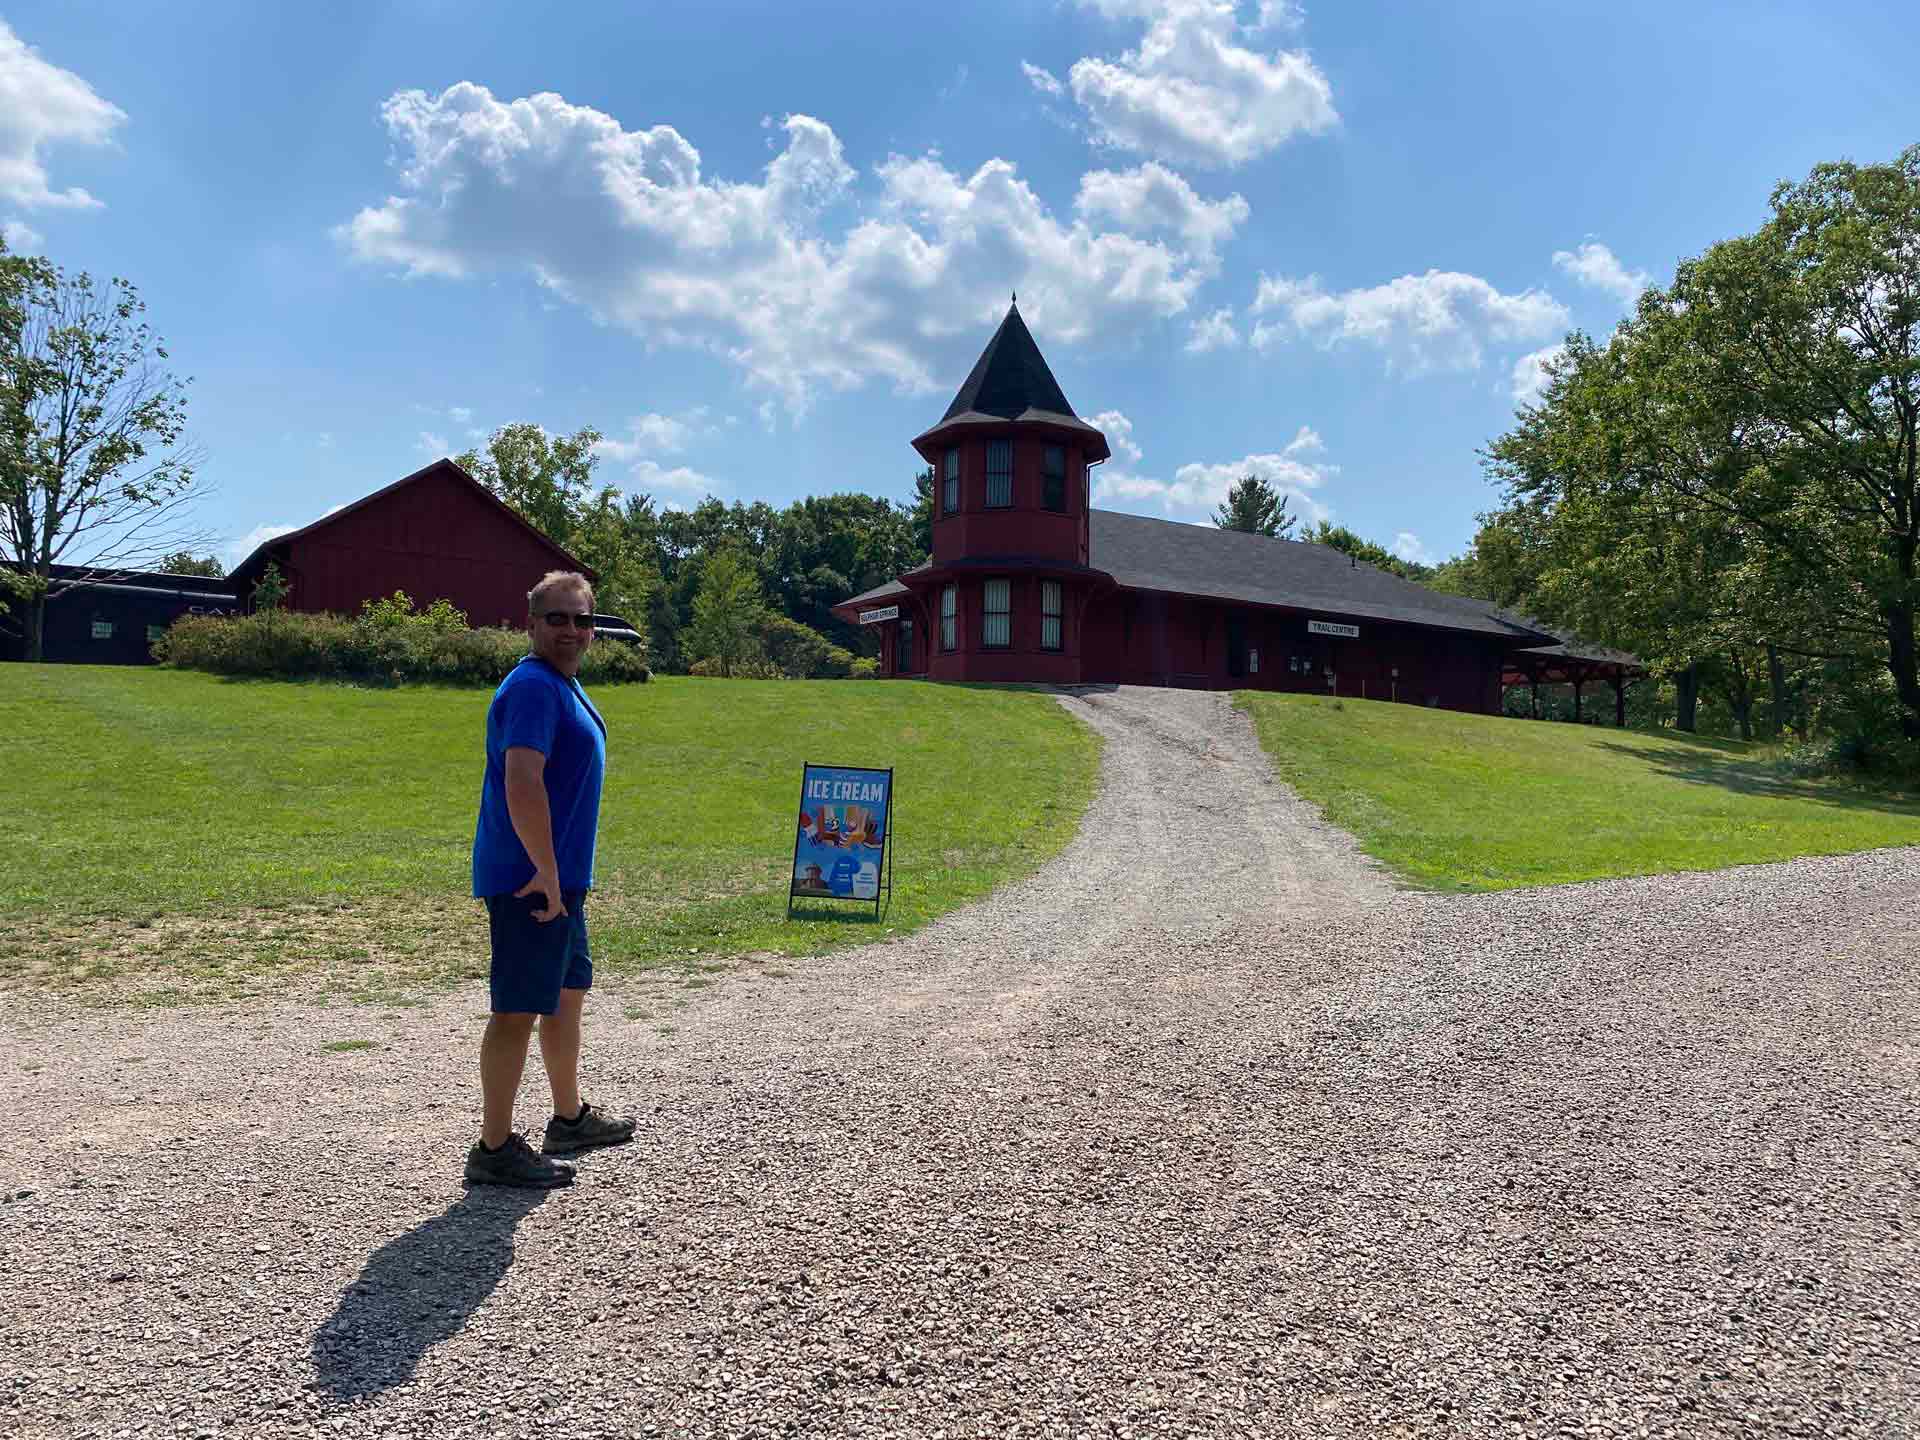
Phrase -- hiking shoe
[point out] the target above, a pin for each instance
(586, 1131)
(514, 1163)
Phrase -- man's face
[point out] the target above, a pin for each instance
(556, 638)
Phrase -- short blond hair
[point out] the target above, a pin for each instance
(557, 580)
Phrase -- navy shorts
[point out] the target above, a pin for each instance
(533, 961)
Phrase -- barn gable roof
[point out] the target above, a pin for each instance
(250, 568)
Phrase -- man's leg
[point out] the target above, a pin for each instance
(503, 1059)
(560, 1050)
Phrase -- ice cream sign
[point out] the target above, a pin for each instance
(840, 841)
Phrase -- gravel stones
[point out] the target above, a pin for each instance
(1203, 1130)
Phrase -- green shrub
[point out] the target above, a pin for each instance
(390, 643)
(865, 667)
(753, 668)
(801, 652)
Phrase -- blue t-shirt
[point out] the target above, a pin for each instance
(538, 707)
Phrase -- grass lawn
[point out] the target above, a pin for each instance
(1478, 802)
(186, 835)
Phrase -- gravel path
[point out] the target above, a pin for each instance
(1151, 1144)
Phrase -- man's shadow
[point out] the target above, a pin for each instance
(418, 1290)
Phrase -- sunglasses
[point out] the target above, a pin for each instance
(559, 619)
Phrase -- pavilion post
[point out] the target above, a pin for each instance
(1579, 684)
(1620, 701)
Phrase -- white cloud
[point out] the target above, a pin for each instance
(1530, 374)
(1119, 432)
(624, 224)
(651, 476)
(238, 550)
(1197, 488)
(42, 105)
(325, 440)
(1192, 93)
(460, 414)
(1045, 81)
(1409, 547)
(1280, 15)
(431, 445)
(1151, 198)
(1215, 332)
(1595, 266)
(1305, 441)
(651, 433)
(22, 239)
(957, 84)
(1442, 320)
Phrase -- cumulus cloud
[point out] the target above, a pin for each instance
(1442, 320)
(432, 445)
(41, 106)
(626, 225)
(1119, 432)
(1193, 92)
(238, 550)
(1213, 332)
(652, 477)
(460, 414)
(1409, 547)
(1045, 81)
(1196, 489)
(1598, 268)
(21, 239)
(1530, 374)
(1152, 199)
(652, 433)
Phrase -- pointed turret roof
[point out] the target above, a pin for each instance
(1010, 377)
(1011, 381)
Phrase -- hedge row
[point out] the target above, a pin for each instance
(380, 650)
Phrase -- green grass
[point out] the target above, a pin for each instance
(343, 1047)
(1475, 802)
(207, 835)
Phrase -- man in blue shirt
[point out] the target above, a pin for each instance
(533, 865)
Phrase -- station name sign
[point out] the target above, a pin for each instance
(885, 612)
(1329, 627)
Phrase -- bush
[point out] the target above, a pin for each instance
(866, 667)
(753, 668)
(388, 644)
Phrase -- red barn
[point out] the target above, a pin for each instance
(1028, 582)
(436, 534)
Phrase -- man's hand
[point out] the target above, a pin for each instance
(547, 884)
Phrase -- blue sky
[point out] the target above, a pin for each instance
(758, 246)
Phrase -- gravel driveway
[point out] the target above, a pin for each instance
(1204, 1130)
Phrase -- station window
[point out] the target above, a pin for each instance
(1053, 478)
(996, 629)
(999, 474)
(950, 497)
(950, 617)
(1049, 614)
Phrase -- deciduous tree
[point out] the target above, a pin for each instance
(94, 467)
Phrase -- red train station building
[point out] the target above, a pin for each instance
(1028, 582)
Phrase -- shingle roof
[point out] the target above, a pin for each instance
(1010, 378)
(1142, 553)
(1147, 554)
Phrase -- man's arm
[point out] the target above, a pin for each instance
(533, 823)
